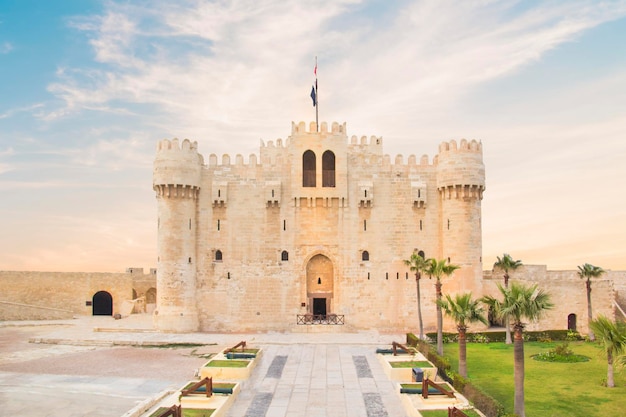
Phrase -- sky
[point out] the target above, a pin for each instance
(88, 87)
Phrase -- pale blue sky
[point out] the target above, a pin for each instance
(88, 87)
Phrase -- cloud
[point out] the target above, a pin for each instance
(6, 47)
(28, 109)
(207, 66)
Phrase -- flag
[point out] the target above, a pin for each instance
(314, 95)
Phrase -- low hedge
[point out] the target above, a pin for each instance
(500, 336)
(481, 400)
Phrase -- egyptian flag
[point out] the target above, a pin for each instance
(314, 88)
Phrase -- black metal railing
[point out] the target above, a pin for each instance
(320, 319)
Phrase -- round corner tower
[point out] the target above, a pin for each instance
(176, 180)
(460, 184)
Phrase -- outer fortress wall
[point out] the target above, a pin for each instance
(33, 295)
(567, 291)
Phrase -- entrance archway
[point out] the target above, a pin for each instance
(102, 304)
(320, 285)
(571, 322)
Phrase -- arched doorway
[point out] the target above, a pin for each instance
(151, 296)
(319, 285)
(102, 304)
(571, 322)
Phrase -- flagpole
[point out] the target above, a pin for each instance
(317, 100)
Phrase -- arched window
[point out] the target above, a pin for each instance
(284, 256)
(218, 255)
(308, 169)
(328, 169)
(421, 253)
(365, 256)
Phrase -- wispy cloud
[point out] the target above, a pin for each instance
(13, 112)
(6, 47)
(208, 65)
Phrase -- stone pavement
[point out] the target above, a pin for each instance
(300, 374)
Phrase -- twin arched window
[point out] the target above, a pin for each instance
(309, 169)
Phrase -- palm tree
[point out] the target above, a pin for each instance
(463, 310)
(418, 264)
(613, 337)
(439, 268)
(506, 263)
(520, 302)
(589, 271)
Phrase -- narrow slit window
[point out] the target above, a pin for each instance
(364, 225)
(218, 225)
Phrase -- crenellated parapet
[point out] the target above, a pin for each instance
(460, 169)
(300, 128)
(177, 169)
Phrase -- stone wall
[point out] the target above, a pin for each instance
(567, 291)
(33, 295)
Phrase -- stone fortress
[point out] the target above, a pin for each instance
(309, 236)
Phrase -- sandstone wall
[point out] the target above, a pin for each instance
(28, 295)
(567, 291)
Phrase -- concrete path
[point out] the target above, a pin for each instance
(300, 374)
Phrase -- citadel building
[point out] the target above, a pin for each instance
(310, 236)
(318, 226)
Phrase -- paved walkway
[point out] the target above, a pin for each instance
(300, 374)
(318, 380)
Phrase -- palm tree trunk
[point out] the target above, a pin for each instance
(507, 325)
(462, 351)
(518, 357)
(592, 336)
(507, 329)
(610, 381)
(419, 306)
(439, 319)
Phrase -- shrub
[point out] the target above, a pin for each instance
(411, 340)
(485, 403)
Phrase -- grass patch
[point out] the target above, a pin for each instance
(227, 363)
(444, 413)
(411, 364)
(187, 412)
(551, 389)
(417, 385)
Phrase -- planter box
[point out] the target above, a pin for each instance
(226, 373)
(405, 374)
(219, 402)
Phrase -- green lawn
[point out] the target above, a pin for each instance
(444, 413)
(227, 363)
(410, 364)
(551, 389)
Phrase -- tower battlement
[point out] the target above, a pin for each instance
(177, 164)
(300, 128)
(460, 169)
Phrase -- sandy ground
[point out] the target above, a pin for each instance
(59, 380)
(18, 355)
